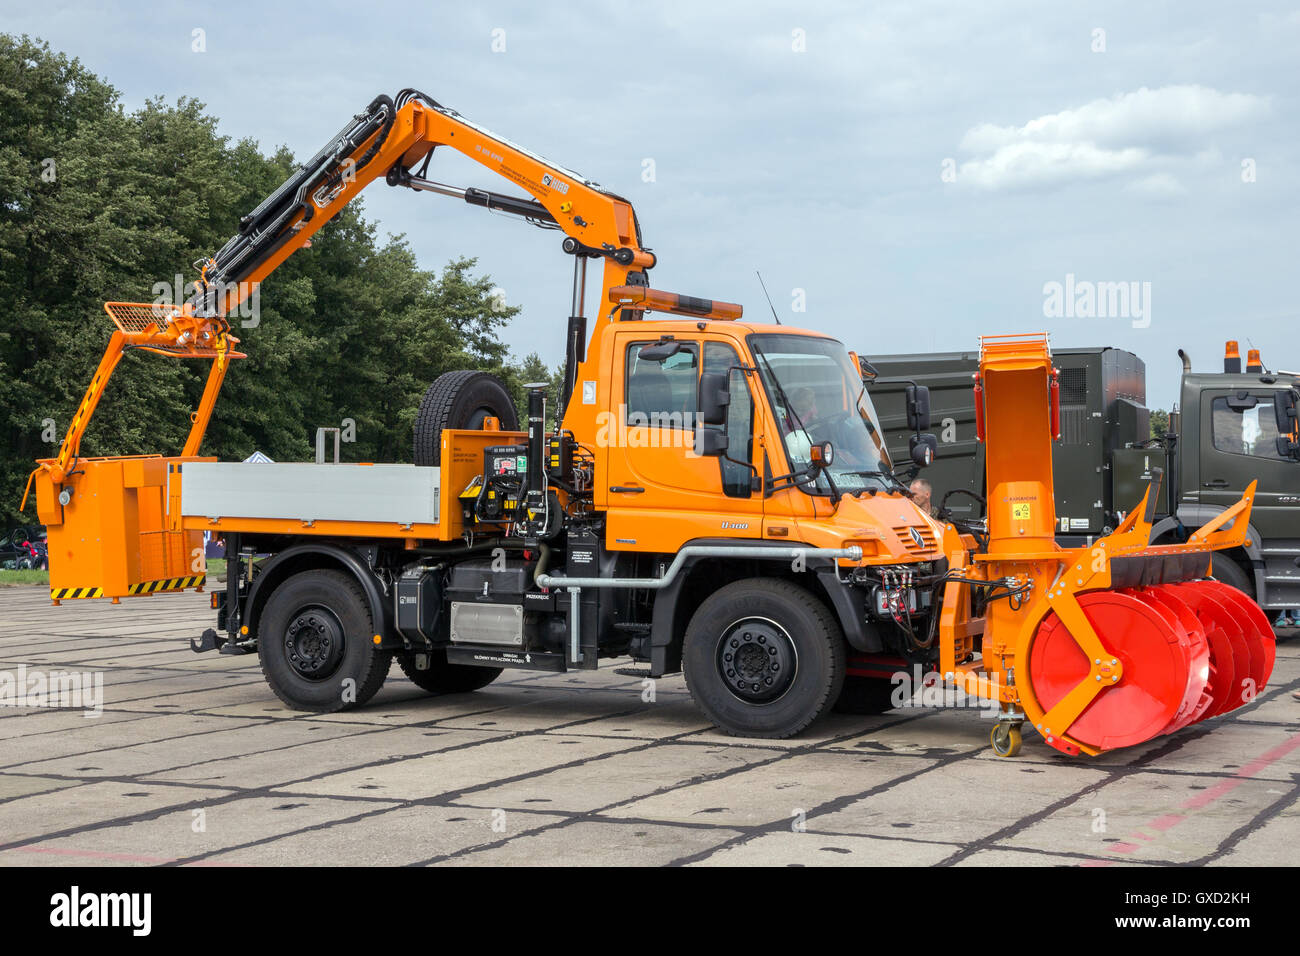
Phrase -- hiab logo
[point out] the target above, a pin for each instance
(559, 185)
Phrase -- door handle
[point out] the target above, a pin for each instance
(626, 489)
(1216, 483)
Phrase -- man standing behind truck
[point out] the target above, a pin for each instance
(922, 493)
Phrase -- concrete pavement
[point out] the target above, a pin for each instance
(194, 761)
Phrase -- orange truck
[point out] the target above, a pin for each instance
(713, 496)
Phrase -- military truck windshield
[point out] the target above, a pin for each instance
(817, 396)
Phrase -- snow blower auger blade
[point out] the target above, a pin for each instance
(1230, 660)
(1103, 646)
(1258, 631)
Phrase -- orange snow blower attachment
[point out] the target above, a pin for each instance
(1103, 646)
(114, 528)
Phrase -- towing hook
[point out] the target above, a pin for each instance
(209, 640)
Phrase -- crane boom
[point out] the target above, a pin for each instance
(389, 138)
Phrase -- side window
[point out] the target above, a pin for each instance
(720, 357)
(663, 394)
(1245, 431)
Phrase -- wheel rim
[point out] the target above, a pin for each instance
(756, 660)
(480, 415)
(313, 643)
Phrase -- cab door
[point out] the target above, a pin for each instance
(1238, 445)
(661, 494)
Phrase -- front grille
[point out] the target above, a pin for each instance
(928, 545)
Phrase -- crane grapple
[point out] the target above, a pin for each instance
(1102, 646)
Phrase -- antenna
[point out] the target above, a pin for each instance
(768, 297)
(1251, 346)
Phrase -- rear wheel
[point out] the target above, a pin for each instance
(316, 641)
(763, 658)
(459, 400)
(439, 677)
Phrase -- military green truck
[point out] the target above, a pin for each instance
(1227, 429)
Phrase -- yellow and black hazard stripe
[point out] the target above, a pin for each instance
(168, 584)
(63, 594)
(144, 587)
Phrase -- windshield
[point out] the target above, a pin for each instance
(817, 396)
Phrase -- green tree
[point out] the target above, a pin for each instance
(1159, 423)
(100, 204)
(533, 369)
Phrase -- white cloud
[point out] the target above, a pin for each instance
(1133, 133)
(1038, 164)
(1158, 186)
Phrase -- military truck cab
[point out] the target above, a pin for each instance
(1235, 427)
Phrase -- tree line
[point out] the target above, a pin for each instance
(98, 203)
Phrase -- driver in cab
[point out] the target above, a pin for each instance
(802, 410)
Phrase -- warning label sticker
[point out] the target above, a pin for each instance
(1021, 512)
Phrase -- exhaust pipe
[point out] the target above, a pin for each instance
(1187, 362)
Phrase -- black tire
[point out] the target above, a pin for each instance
(443, 678)
(1231, 573)
(866, 695)
(459, 400)
(298, 639)
(756, 624)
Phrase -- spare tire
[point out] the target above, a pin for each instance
(460, 400)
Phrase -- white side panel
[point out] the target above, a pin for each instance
(404, 494)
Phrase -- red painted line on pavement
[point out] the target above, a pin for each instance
(1202, 800)
(104, 855)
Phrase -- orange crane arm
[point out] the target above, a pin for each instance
(388, 139)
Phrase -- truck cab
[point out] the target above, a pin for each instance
(1229, 435)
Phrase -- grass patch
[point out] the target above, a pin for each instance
(13, 578)
(9, 579)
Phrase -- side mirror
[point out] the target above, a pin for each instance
(1286, 448)
(865, 369)
(923, 448)
(918, 408)
(710, 442)
(661, 351)
(1284, 410)
(714, 398)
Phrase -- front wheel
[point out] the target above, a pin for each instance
(1231, 573)
(439, 677)
(316, 641)
(763, 658)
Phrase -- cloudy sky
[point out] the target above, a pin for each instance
(921, 172)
